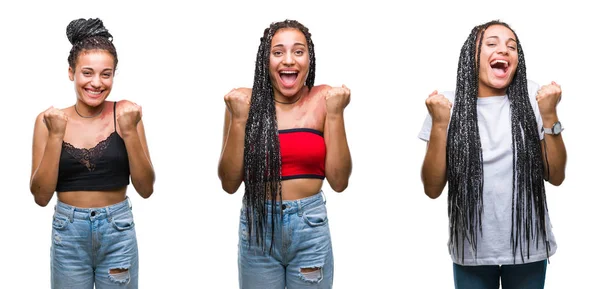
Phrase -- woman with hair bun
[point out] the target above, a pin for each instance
(87, 153)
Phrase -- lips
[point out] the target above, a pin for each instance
(93, 93)
(500, 67)
(288, 77)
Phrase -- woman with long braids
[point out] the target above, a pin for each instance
(87, 153)
(282, 137)
(495, 140)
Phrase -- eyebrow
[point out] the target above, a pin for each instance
(510, 38)
(297, 43)
(105, 69)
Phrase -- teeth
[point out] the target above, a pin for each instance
(288, 72)
(94, 92)
(500, 61)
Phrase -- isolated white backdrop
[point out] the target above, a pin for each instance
(178, 60)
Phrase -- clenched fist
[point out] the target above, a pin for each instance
(56, 121)
(238, 103)
(129, 115)
(336, 99)
(548, 97)
(439, 108)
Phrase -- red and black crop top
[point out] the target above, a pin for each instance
(302, 154)
(104, 167)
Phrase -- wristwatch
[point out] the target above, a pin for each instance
(555, 130)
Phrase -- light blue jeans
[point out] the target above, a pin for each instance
(88, 243)
(301, 240)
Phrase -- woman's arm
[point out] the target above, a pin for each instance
(48, 135)
(433, 172)
(554, 153)
(231, 162)
(132, 131)
(338, 163)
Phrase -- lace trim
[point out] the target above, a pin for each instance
(85, 156)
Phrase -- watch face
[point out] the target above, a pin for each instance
(556, 128)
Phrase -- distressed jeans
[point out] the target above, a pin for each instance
(87, 243)
(301, 240)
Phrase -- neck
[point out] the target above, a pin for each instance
(86, 111)
(284, 100)
(486, 91)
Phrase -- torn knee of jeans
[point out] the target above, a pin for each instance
(119, 275)
(311, 274)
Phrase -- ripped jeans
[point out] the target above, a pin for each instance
(301, 255)
(87, 244)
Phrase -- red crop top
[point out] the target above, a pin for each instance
(302, 154)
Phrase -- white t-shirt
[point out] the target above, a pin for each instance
(494, 244)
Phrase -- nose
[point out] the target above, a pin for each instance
(289, 59)
(502, 49)
(96, 81)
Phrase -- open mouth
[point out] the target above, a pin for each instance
(93, 92)
(500, 67)
(288, 77)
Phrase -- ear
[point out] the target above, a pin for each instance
(71, 74)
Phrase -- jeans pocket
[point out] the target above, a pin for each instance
(316, 216)
(59, 221)
(123, 221)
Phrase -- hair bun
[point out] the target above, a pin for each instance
(81, 29)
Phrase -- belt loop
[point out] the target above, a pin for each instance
(300, 210)
(129, 202)
(324, 198)
(108, 214)
(72, 214)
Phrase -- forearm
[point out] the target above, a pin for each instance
(140, 167)
(45, 176)
(231, 164)
(555, 154)
(338, 163)
(433, 172)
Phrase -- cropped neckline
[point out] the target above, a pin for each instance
(292, 130)
(107, 139)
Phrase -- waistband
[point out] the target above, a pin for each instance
(296, 206)
(92, 213)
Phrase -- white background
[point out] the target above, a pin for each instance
(178, 61)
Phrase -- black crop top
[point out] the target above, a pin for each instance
(104, 167)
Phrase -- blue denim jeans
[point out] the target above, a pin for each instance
(301, 241)
(521, 276)
(88, 243)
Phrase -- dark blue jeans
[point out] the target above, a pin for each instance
(522, 276)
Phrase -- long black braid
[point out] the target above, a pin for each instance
(262, 158)
(87, 35)
(465, 159)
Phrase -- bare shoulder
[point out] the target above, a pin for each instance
(318, 91)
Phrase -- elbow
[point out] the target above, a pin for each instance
(39, 196)
(557, 181)
(339, 186)
(229, 188)
(39, 200)
(433, 194)
(147, 192)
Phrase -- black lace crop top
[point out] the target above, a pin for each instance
(101, 168)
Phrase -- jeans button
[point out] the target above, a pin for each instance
(93, 213)
(283, 207)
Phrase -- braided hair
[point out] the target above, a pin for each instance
(262, 158)
(86, 35)
(465, 160)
